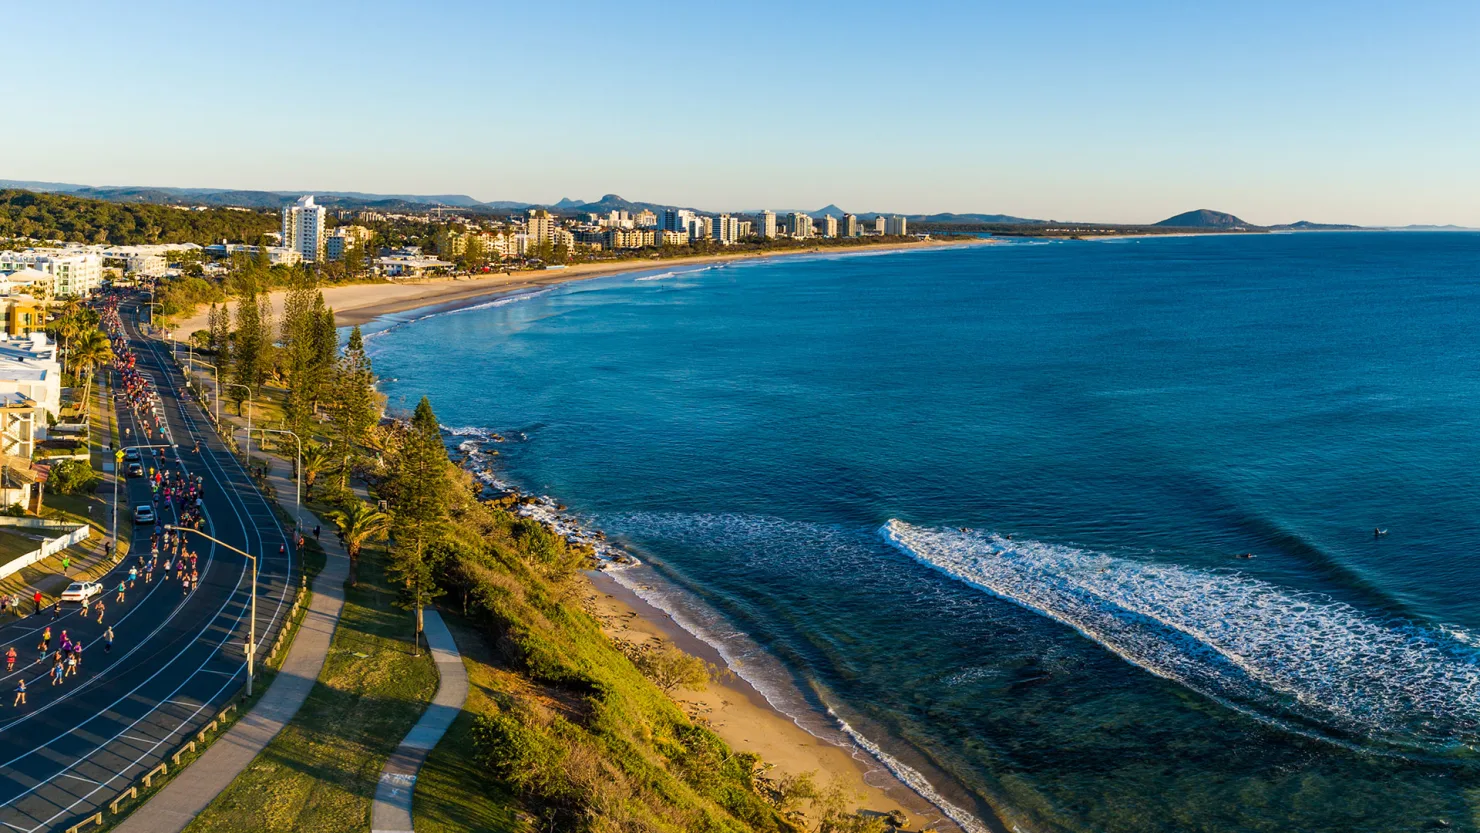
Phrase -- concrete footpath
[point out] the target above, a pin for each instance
(174, 807)
(391, 812)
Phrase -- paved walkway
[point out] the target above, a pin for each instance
(391, 812)
(174, 807)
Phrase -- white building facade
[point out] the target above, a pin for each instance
(304, 230)
(73, 274)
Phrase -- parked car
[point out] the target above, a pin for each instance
(80, 590)
(143, 514)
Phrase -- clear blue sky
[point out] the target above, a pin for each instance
(1129, 112)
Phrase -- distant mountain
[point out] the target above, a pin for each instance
(947, 219)
(829, 210)
(1203, 218)
(1306, 225)
(567, 202)
(1450, 227)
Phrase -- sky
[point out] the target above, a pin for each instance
(1357, 112)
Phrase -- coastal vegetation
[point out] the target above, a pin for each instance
(566, 729)
(42, 216)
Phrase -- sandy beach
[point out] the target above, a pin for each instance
(359, 303)
(743, 718)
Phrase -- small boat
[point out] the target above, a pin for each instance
(1378, 533)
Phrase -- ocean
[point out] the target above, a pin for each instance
(1075, 536)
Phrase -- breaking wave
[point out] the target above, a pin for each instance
(1305, 661)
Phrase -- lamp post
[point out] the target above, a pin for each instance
(297, 495)
(218, 386)
(248, 400)
(251, 646)
(118, 475)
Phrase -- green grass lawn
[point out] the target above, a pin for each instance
(320, 774)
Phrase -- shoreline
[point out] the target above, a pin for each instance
(362, 303)
(743, 717)
(753, 720)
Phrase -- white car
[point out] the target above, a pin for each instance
(79, 591)
(143, 514)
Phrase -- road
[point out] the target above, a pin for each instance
(177, 659)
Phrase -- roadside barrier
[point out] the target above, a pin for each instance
(96, 818)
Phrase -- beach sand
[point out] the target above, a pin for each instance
(360, 303)
(743, 718)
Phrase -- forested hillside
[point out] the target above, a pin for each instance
(60, 217)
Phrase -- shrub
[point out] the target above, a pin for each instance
(72, 477)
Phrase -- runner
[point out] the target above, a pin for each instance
(77, 652)
(20, 694)
(71, 665)
(119, 600)
(56, 610)
(133, 575)
(100, 611)
(10, 658)
(56, 673)
(108, 640)
(45, 641)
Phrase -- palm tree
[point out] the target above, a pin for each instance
(359, 522)
(315, 460)
(89, 350)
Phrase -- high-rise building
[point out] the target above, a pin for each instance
(701, 228)
(540, 226)
(304, 230)
(646, 219)
(895, 226)
(829, 226)
(677, 219)
(879, 224)
(727, 229)
(850, 225)
(801, 225)
(766, 225)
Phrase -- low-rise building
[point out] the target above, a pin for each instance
(343, 239)
(411, 266)
(30, 366)
(75, 274)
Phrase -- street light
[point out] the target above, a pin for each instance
(298, 495)
(248, 400)
(218, 386)
(117, 475)
(251, 646)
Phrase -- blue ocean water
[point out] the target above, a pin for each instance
(988, 505)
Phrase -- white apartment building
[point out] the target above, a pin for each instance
(766, 226)
(727, 229)
(304, 230)
(801, 226)
(29, 366)
(539, 226)
(645, 219)
(829, 226)
(896, 225)
(73, 274)
(850, 225)
(879, 224)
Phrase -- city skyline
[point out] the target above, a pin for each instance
(1326, 113)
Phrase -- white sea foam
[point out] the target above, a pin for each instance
(1295, 658)
(673, 274)
(502, 300)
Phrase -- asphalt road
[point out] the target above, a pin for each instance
(177, 659)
